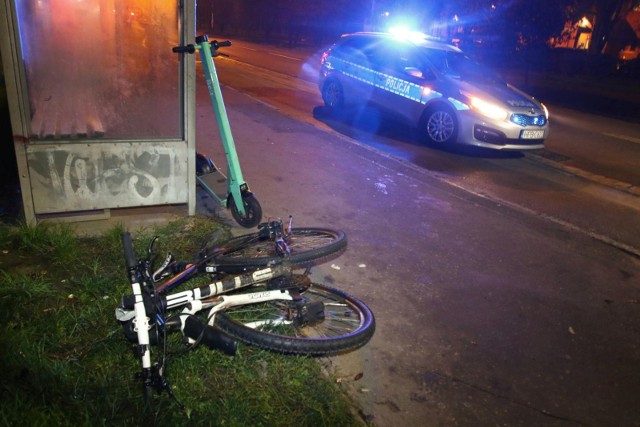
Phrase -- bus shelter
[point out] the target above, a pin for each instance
(102, 111)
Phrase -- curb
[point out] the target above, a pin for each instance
(625, 187)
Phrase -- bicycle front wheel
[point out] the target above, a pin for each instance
(297, 327)
(308, 246)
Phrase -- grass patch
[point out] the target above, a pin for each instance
(66, 362)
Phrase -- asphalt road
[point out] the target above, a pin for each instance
(552, 185)
(489, 311)
(606, 147)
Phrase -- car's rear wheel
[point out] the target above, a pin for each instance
(333, 94)
(439, 125)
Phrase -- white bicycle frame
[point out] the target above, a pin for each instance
(141, 327)
(133, 308)
(224, 302)
(203, 298)
(217, 288)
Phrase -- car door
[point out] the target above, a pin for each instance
(351, 65)
(399, 80)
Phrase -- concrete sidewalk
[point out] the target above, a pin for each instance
(485, 315)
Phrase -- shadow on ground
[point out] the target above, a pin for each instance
(368, 124)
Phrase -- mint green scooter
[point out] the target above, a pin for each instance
(235, 195)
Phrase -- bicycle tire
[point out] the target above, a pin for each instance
(347, 324)
(309, 246)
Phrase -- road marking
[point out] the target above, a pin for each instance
(272, 53)
(285, 56)
(631, 250)
(623, 137)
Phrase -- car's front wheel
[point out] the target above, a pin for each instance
(439, 125)
(333, 94)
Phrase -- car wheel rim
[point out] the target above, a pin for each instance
(440, 126)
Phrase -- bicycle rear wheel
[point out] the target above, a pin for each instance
(308, 246)
(345, 324)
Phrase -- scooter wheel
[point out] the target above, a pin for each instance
(252, 209)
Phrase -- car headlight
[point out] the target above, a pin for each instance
(487, 109)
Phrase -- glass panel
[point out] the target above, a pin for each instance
(101, 68)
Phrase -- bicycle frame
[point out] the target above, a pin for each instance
(207, 314)
(142, 309)
(223, 302)
(129, 304)
(196, 300)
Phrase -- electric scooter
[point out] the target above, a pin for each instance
(230, 191)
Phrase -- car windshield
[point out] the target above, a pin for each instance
(458, 65)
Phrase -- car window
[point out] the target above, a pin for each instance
(391, 56)
(458, 65)
(380, 53)
(412, 62)
(352, 49)
(357, 43)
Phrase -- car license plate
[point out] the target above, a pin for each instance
(532, 134)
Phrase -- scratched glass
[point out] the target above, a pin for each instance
(98, 69)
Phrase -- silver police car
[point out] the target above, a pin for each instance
(435, 87)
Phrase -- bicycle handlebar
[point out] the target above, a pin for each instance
(208, 335)
(129, 253)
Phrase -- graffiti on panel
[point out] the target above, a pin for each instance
(72, 178)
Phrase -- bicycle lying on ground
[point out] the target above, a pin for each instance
(271, 306)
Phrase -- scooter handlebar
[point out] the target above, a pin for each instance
(216, 44)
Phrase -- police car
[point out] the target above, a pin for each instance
(435, 87)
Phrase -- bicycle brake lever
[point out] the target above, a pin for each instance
(150, 248)
(290, 226)
(159, 272)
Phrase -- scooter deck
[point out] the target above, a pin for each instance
(214, 183)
